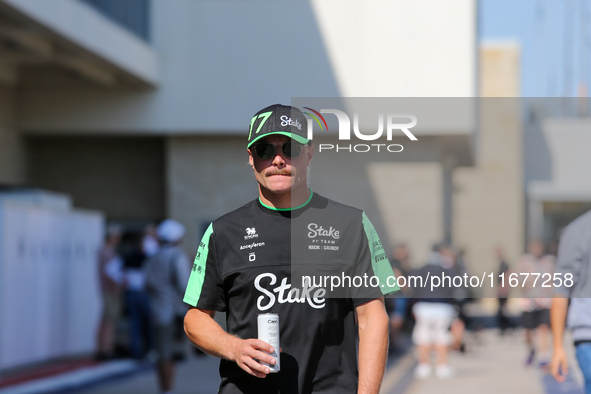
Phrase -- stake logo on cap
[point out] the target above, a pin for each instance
(278, 119)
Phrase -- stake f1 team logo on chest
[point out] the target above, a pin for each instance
(323, 238)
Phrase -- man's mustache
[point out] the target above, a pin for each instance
(278, 172)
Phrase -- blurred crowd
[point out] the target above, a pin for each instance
(436, 319)
(142, 277)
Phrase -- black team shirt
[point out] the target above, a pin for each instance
(244, 267)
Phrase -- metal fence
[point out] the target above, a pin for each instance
(132, 14)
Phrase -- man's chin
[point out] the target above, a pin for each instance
(282, 186)
(279, 190)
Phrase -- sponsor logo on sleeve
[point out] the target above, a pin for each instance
(381, 257)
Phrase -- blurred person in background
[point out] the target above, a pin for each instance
(451, 261)
(502, 292)
(167, 274)
(136, 298)
(434, 314)
(110, 277)
(150, 243)
(553, 247)
(574, 258)
(397, 306)
(536, 302)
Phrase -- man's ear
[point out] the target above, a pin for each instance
(310, 153)
(250, 158)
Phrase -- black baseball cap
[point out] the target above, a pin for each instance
(278, 119)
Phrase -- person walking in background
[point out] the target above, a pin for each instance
(401, 259)
(167, 274)
(136, 298)
(574, 265)
(150, 243)
(397, 305)
(109, 272)
(536, 304)
(502, 292)
(451, 261)
(434, 314)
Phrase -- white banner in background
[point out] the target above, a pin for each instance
(49, 296)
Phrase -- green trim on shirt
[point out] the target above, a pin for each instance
(197, 278)
(288, 209)
(379, 261)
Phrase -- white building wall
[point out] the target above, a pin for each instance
(564, 143)
(400, 48)
(488, 198)
(556, 168)
(221, 61)
(409, 196)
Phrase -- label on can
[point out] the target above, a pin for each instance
(268, 328)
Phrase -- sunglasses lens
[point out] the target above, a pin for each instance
(264, 151)
(291, 150)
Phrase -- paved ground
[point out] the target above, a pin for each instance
(491, 365)
(198, 375)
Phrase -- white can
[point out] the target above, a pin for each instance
(268, 327)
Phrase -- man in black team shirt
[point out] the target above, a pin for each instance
(244, 267)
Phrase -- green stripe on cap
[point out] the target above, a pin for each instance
(264, 117)
(297, 137)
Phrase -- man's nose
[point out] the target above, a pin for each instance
(278, 159)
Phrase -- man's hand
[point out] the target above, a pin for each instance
(205, 333)
(245, 351)
(559, 364)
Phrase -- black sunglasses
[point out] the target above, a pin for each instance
(266, 150)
